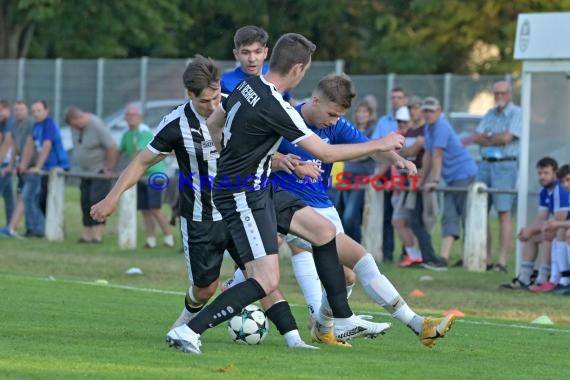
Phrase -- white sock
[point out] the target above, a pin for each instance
(151, 241)
(412, 253)
(308, 279)
(169, 240)
(381, 291)
(564, 264)
(325, 317)
(555, 270)
(237, 278)
(292, 337)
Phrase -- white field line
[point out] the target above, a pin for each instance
(171, 292)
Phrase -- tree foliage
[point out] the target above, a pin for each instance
(404, 36)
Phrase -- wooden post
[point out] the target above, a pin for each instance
(127, 227)
(373, 222)
(55, 205)
(475, 245)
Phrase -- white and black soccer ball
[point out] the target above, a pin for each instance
(249, 327)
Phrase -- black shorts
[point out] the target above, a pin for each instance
(286, 204)
(204, 244)
(147, 198)
(92, 191)
(253, 219)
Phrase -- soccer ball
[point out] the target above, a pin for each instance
(249, 327)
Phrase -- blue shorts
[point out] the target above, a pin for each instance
(499, 175)
(147, 198)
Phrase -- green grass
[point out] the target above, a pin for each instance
(56, 322)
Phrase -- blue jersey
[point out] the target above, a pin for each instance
(48, 130)
(314, 192)
(554, 200)
(231, 79)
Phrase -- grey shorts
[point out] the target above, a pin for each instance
(500, 175)
(454, 205)
(400, 211)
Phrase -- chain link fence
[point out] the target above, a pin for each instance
(105, 86)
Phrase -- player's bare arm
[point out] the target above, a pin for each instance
(128, 178)
(342, 152)
(215, 125)
(393, 158)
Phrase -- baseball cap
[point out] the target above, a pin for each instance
(431, 103)
(403, 114)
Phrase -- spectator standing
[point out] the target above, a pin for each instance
(352, 201)
(445, 158)
(22, 136)
(385, 125)
(94, 152)
(413, 147)
(50, 154)
(6, 189)
(422, 205)
(149, 200)
(498, 135)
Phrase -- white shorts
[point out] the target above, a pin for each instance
(330, 214)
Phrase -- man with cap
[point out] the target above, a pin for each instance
(445, 159)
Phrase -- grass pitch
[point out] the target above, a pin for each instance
(59, 321)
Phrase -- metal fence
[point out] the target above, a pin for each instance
(104, 86)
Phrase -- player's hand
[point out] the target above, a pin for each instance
(286, 163)
(392, 141)
(549, 225)
(101, 210)
(308, 169)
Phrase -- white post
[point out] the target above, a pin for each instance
(339, 66)
(21, 78)
(143, 85)
(55, 205)
(127, 227)
(57, 90)
(100, 79)
(373, 222)
(475, 246)
(447, 93)
(389, 86)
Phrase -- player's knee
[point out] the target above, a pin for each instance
(349, 276)
(268, 283)
(202, 295)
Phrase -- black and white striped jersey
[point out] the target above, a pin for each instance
(184, 130)
(257, 118)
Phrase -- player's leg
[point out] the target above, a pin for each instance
(557, 251)
(307, 222)
(530, 252)
(203, 245)
(563, 263)
(306, 274)
(250, 218)
(565, 268)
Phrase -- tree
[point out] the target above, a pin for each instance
(88, 29)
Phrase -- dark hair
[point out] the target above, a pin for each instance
(43, 103)
(71, 113)
(201, 73)
(547, 162)
(563, 171)
(250, 34)
(337, 88)
(20, 102)
(290, 49)
(4, 103)
(399, 89)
